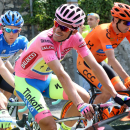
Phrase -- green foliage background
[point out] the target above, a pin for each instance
(101, 7)
(44, 10)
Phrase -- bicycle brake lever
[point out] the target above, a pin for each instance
(95, 107)
(22, 122)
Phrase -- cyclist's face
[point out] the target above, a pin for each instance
(11, 37)
(123, 27)
(92, 21)
(58, 34)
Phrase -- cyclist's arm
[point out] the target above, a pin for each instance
(115, 64)
(7, 76)
(20, 51)
(100, 73)
(9, 67)
(65, 81)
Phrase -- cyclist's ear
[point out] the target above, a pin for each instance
(74, 32)
(116, 20)
(2, 28)
(19, 30)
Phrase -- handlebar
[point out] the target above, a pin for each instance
(96, 107)
(56, 102)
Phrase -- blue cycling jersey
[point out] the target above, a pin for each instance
(7, 51)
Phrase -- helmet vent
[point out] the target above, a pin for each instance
(83, 14)
(9, 13)
(71, 7)
(117, 9)
(66, 12)
(127, 7)
(76, 17)
(63, 19)
(63, 9)
(71, 14)
(120, 5)
(78, 10)
(13, 17)
(6, 18)
(127, 13)
(112, 13)
(18, 20)
(122, 15)
(60, 7)
(79, 21)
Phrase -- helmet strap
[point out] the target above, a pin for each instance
(4, 37)
(117, 25)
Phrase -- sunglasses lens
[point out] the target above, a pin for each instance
(15, 30)
(63, 28)
(8, 30)
(56, 24)
(127, 23)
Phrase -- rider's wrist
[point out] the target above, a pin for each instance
(79, 105)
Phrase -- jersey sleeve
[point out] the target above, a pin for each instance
(80, 45)
(47, 50)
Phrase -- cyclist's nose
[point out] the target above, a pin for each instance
(11, 33)
(58, 29)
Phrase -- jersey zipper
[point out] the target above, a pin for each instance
(60, 51)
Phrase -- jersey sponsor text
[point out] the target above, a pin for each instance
(28, 60)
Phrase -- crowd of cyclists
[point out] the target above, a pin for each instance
(42, 55)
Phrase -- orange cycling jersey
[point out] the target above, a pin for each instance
(103, 38)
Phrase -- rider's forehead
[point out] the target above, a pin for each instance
(11, 27)
(91, 17)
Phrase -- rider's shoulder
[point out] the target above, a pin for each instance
(21, 38)
(103, 26)
(46, 36)
(1, 37)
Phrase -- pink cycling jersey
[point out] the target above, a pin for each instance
(43, 49)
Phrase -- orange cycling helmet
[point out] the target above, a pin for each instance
(121, 11)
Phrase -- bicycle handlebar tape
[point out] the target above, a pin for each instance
(83, 108)
(121, 100)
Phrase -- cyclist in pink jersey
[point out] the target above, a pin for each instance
(42, 56)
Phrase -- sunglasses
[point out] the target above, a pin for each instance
(63, 28)
(91, 14)
(9, 30)
(127, 23)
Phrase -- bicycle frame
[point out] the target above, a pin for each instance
(21, 110)
(92, 126)
(125, 92)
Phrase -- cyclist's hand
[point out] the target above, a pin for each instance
(3, 101)
(127, 82)
(4, 117)
(121, 100)
(81, 28)
(86, 110)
